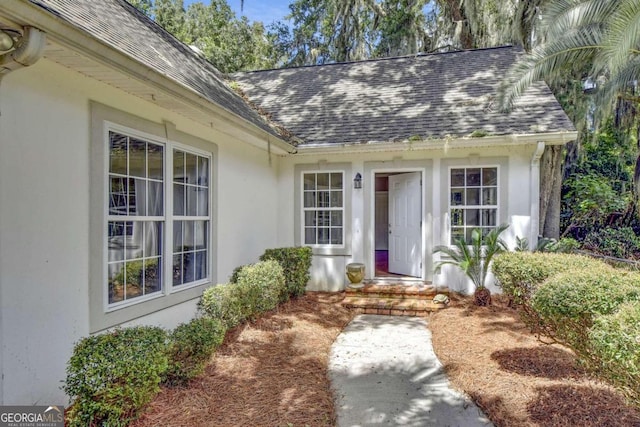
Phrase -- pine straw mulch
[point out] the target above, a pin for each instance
(271, 372)
(518, 381)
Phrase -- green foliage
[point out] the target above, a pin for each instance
(235, 273)
(474, 258)
(615, 343)
(190, 347)
(614, 242)
(266, 283)
(568, 303)
(113, 375)
(295, 263)
(567, 245)
(229, 303)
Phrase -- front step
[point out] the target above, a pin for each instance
(394, 299)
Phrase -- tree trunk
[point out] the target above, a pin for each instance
(550, 191)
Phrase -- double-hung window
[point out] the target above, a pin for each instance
(323, 208)
(158, 218)
(473, 201)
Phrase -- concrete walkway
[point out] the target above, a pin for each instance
(384, 373)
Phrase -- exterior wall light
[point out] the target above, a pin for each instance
(6, 41)
(357, 181)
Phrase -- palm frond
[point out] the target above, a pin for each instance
(623, 34)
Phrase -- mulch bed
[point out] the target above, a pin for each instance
(518, 381)
(271, 372)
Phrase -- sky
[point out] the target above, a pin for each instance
(266, 11)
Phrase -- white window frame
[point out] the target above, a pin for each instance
(103, 315)
(464, 206)
(341, 209)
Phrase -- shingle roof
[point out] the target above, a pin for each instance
(121, 26)
(430, 96)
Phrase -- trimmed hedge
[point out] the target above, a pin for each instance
(259, 288)
(296, 263)
(190, 348)
(615, 342)
(113, 375)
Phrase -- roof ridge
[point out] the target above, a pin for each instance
(386, 58)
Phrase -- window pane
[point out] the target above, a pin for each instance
(179, 198)
(309, 181)
(457, 196)
(116, 241)
(152, 275)
(489, 217)
(490, 176)
(336, 218)
(203, 171)
(188, 238)
(177, 236)
(473, 177)
(309, 236)
(177, 270)
(323, 236)
(133, 248)
(457, 177)
(192, 201)
(191, 168)
(155, 161)
(309, 218)
(323, 199)
(336, 181)
(473, 196)
(137, 158)
(472, 217)
(322, 181)
(457, 234)
(309, 199)
(117, 153)
(336, 199)
(336, 236)
(468, 235)
(200, 234)
(323, 218)
(118, 195)
(152, 239)
(138, 197)
(188, 267)
(133, 279)
(201, 265)
(155, 199)
(178, 166)
(457, 217)
(203, 202)
(116, 282)
(489, 196)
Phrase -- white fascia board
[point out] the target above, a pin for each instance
(65, 34)
(551, 138)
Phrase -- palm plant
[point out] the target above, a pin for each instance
(474, 259)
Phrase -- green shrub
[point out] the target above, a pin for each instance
(236, 272)
(266, 284)
(112, 376)
(227, 303)
(296, 263)
(190, 347)
(566, 245)
(569, 302)
(614, 242)
(615, 341)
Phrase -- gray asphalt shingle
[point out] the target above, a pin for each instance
(393, 99)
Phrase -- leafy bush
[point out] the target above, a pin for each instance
(226, 302)
(113, 375)
(615, 341)
(266, 284)
(569, 302)
(614, 242)
(190, 347)
(295, 263)
(566, 245)
(236, 272)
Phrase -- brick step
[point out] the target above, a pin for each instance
(391, 306)
(396, 291)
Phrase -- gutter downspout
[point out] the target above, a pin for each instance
(30, 49)
(535, 195)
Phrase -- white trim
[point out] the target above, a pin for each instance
(342, 209)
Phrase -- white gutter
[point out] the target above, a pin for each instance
(550, 138)
(69, 36)
(535, 195)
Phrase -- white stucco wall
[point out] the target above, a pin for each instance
(328, 272)
(44, 219)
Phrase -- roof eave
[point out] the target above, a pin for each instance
(74, 38)
(549, 138)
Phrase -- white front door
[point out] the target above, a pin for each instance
(405, 224)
